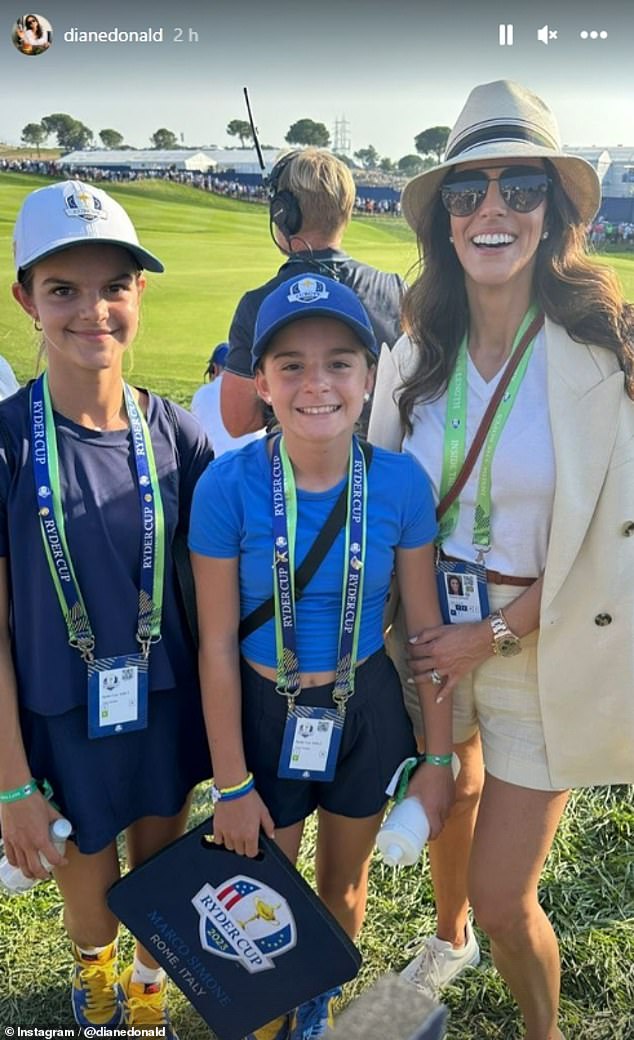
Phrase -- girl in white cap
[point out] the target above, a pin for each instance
(99, 699)
(515, 334)
(317, 658)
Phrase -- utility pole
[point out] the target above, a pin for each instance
(342, 142)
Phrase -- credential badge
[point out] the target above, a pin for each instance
(246, 922)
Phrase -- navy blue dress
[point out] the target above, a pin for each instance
(105, 784)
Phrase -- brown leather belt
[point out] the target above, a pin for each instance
(495, 576)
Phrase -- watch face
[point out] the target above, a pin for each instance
(508, 646)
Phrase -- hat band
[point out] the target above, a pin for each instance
(510, 132)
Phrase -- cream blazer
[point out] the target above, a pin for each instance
(586, 638)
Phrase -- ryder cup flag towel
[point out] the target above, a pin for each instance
(244, 939)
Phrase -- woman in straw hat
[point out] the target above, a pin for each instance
(543, 667)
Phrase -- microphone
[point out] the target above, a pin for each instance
(391, 1008)
(256, 141)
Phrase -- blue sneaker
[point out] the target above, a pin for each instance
(312, 1020)
(96, 996)
(275, 1030)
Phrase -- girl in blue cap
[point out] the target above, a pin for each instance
(305, 710)
(99, 697)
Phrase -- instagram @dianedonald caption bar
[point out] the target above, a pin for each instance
(91, 1032)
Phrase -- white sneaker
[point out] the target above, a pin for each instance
(438, 963)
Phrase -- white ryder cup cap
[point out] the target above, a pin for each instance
(72, 213)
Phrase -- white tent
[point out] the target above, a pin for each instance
(146, 159)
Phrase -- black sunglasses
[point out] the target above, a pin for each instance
(523, 189)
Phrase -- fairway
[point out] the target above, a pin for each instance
(214, 249)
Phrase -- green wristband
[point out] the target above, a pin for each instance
(18, 793)
(439, 760)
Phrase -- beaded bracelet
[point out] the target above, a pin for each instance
(18, 793)
(439, 760)
(230, 794)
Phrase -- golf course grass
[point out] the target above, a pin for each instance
(214, 249)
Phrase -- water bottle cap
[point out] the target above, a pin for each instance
(393, 855)
(61, 829)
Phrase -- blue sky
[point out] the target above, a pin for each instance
(392, 67)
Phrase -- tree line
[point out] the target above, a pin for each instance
(71, 135)
(430, 145)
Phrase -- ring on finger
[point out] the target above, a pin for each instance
(436, 677)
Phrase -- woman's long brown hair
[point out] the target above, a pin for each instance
(570, 286)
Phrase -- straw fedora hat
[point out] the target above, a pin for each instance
(503, 120)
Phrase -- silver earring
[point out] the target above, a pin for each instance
(366, 397)
(451, 239)
(545, 235)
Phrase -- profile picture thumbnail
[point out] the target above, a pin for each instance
(32, 34)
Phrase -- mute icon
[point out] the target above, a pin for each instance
(545, 34)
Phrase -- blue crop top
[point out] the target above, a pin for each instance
(231, 517)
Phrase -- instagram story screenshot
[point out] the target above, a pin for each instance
(266, 269)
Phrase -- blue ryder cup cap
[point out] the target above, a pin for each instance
(219, 354)
(309, 296)
(71, 213)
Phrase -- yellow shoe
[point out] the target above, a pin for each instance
(96, 996)
(146, 1005)
(275, 1030)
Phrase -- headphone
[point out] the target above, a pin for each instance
(284, 208)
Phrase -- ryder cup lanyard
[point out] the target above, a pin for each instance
(455, 440)
(53, 529)
(284, 537)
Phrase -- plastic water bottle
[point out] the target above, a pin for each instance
(403, 834)
(13, 882)
(405, 829)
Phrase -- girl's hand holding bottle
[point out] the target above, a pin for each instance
(26, 835)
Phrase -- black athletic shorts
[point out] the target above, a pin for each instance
(377, 736)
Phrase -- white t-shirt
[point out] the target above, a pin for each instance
(8, 382)
(522, 474)
(206, 408)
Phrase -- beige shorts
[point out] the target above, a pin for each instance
(500, 700)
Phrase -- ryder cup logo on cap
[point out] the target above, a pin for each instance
(307, 291)
(246, 922)
(310, 297)
(83, 204)
(71, 213)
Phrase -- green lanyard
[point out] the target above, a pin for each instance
(53, 527)
(455, 440)
(285, 528)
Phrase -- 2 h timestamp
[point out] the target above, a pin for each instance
(187, 35)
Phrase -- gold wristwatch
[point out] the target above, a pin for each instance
(505, 642)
